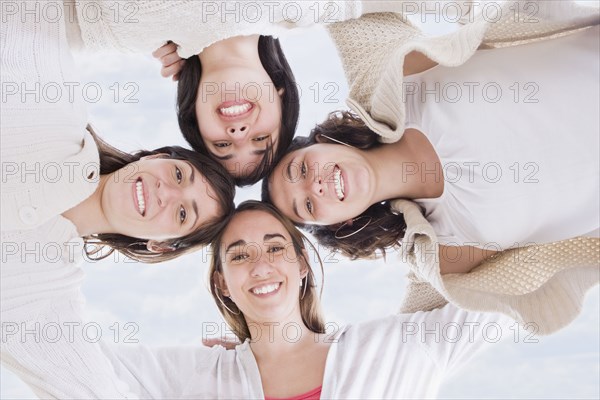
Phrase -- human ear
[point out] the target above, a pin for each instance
(155, 246)
(220, 284)
(280, 91)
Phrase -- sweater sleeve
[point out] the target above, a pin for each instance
(49, 160)
(46, 341)
(144, 26)
(406, 355)
(173, 372)
(57, 356)
(451, 336)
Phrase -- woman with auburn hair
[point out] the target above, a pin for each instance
(263, 284)
(477, 173)
(237, 100)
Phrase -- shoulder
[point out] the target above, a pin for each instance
(45, 177)
(51, 246)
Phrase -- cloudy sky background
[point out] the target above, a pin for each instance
(170, 302)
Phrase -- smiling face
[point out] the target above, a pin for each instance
(260, 270)
(239, 114)
(158, 198)
(322, 184)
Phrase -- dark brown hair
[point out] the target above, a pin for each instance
(274, 62)
(385, 227)
(100, 246)
(310, 307)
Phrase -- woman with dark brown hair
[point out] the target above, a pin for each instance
(483, 168)
(237, 100)
(463, 151)
(151, 205)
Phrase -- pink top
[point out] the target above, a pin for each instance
(314, 394)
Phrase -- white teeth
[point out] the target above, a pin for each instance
(235, 110)
(266, 289)
(339, 184)
(140, 197)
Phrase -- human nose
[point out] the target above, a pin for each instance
(165, 193)
(263, 267)
(316, 186)
(238, 132)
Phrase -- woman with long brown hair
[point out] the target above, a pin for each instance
(461, 148)
(263, 284)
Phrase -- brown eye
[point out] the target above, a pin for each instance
(240, 257)
(261, 138)
(178, 175)
(275, 249)
(222, 145)
(182, 214)
(309, 206)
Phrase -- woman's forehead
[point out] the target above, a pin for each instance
(253, 224)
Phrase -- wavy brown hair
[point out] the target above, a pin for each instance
(274, 62)
(99, 246)
(310, 307)
(386, 227)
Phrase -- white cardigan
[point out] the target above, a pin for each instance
(50, 164)
(401, 356)
(47, 153)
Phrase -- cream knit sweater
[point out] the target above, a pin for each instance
(144, 26)
(543, 286)
(372, 50)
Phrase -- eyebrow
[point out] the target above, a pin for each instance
(234, 244)
(194, 204)
(230, 156)
(270, 236)
(266, 238)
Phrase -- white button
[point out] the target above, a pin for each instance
(28, 215)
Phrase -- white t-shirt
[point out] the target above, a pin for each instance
(516, 130)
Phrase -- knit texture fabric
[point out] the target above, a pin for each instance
(45, 144)
(541, 286)
(547, 289)
(372, 49)
(144, 26)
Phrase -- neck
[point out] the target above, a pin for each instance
(235, 51)
(272, 340)
(88, 216)
(411, 164)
